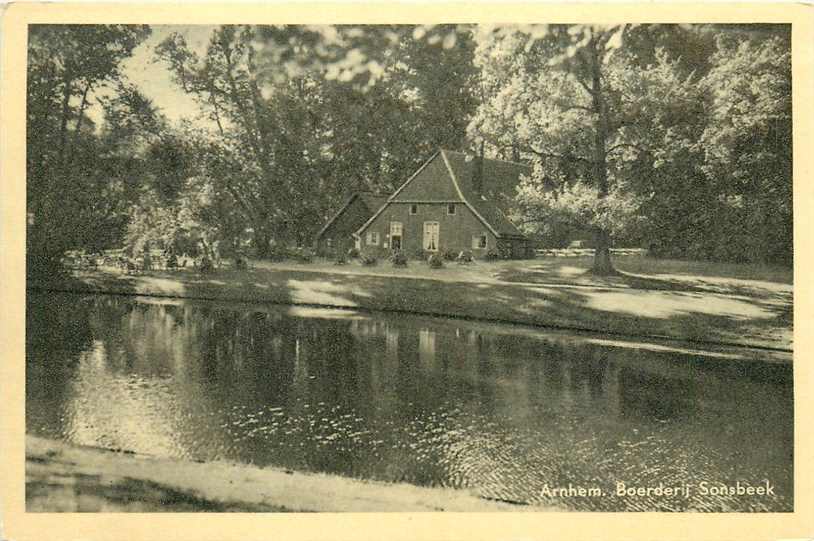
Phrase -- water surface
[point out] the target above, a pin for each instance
(501, 411)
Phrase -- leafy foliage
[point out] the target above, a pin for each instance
(491, 255)
(637, 137)
(398, 259)
(305, 123)
(675, 137)
(70, 201)
(435, 261)
(465, 257)
(368, 259)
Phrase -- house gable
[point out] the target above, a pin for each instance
(430, 183)
(447, 178)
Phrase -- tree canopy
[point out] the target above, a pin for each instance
(673, 137)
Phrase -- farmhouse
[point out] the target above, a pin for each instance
(453, 202)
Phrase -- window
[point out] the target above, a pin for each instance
(329, 242)
(373, 238)
(451, 209)
(431, 236)
(479, 241)
(396, 232)
(413, 209)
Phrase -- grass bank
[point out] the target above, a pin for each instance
(66, 478)
(757, 314)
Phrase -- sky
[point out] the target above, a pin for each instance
(152, 76)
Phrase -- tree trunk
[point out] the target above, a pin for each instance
(78, 129)
(67, 91)
(602, 260)
(261, 243)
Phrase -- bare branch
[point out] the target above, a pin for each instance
(577, 107)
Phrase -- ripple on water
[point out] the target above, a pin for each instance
(434, 403)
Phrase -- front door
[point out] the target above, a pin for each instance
(396, 233)
(431, 236)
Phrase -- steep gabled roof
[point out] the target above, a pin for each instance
(372, 201)
(499, 184)
(499, 181)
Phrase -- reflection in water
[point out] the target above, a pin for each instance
(436, 402)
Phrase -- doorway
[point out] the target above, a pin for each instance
(396, 234)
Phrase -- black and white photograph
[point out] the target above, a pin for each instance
(409, 268)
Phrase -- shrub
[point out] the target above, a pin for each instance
(302, 255)
(491, 255)
(277, 253)
(340, 259)
(420, 254)
(240, 263)
(435, 261)
(398, 259)
(465, 257)
(205, 264)
(353, 253)
(448, 255)
(368, 259)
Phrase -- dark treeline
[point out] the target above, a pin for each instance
(675, 138)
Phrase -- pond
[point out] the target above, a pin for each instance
(508, 413)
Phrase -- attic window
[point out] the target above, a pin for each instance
(413, 209)
(451, 209)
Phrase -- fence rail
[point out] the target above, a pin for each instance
(582, 252)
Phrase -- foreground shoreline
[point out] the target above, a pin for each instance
(748, 328)
(61, 477)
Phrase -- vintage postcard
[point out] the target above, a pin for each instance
(406, 271)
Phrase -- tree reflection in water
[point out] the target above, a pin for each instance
(500, 410)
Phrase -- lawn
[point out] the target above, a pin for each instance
(547, 292)
(635, 271)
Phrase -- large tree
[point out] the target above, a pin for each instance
(557, 89)
(67, 65)
(748, 147)
(317, 112)
(678, 136)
